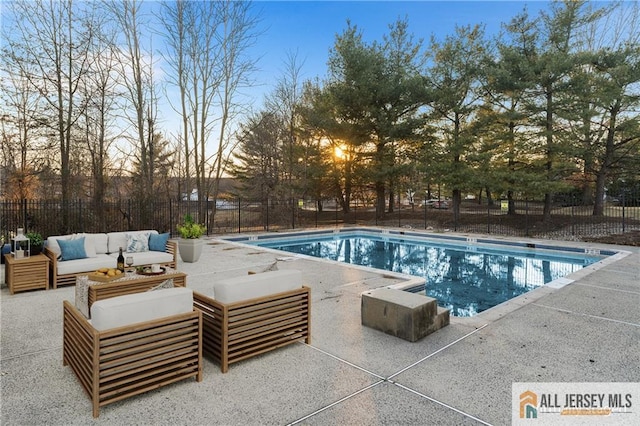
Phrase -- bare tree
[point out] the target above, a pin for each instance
(285, 101)
(136, 76)
(19, 131)
(176, 19)
(238, 33)
(192, 53)
(206, 46)
(49, 47)
(101, 90)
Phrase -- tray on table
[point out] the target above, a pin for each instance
(148, 272)
(104, 278)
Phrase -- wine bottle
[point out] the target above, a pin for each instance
(120, 261)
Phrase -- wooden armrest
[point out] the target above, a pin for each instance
(172, 248)
(53, 257)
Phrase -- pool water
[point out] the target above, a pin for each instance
(465, 278)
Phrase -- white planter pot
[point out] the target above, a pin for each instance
(190, 249)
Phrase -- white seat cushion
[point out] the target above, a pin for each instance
(85, 265)
(140, 307)
(147, 257)
(257, 285)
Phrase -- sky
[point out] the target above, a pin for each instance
(309, 28)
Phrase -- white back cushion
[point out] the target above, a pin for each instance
(101, 242)
(257, 285)
(140, 307)
(119, 239)
(89, 243)
(52, 243)
(93, 243)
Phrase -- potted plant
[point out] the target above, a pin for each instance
(36, 242)
(4, 249)
(190, 244)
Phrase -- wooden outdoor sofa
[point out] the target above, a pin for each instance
(113, 361)
(254, 314)
(101, 251)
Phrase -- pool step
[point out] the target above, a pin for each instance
(409, 316)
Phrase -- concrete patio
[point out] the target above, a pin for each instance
(587, 331)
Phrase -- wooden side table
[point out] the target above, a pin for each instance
(30, 273)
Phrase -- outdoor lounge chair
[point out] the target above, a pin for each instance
(254, 314)
(133, 344)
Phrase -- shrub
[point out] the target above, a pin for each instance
(190, 229)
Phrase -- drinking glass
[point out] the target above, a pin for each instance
(129, 262)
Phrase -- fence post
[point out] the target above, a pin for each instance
(623, 213)
(239, 222)
(526, 218)
(129, 214)
(573, 215)
(424, 207)
(293, 213)
(81, 222)
(355, 213)
(489, 217)
(23, 213)
(455, 215)
(170, 217)
(399, 219)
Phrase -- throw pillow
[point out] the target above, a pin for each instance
(158, 242)
(137, 242)
(72, 249)
(163, 285)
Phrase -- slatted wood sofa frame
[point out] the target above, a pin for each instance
(70, 279)
(115, 364)
(240, 330)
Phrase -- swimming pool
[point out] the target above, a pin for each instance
(466, 275)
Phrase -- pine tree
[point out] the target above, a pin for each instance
(454, 81)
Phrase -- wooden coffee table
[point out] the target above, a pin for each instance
(92, 291)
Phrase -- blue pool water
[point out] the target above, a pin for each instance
(465, 276)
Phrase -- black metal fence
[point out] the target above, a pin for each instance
(525, 218)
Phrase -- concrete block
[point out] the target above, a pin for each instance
(402, 314)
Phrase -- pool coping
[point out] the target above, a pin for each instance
(453, 237)
(489, 315)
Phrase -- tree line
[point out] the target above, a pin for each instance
(82, 87)
(550, 105)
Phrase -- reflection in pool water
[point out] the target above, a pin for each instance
(467, 279)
